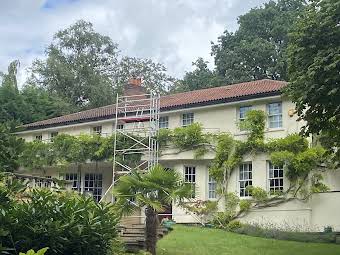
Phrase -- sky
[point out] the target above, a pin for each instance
(172, 32)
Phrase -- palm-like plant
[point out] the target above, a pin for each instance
(152, 190)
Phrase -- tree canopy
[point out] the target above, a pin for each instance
(314, 64)
(200, 78)
(257, 50)
(87, 69)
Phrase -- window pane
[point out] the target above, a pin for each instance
(164, 122)
(243, 111)
(245, 178)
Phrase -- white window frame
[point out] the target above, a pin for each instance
(164, 122)
(188, 118)
(76, 185)
(120, 126)
(54, 134)
(97, 130)
(242, 114)
(212, 186)
(274, 119)
(245, 178)
(275, 178)
(94, 185)
(190, 177)
(38, 137)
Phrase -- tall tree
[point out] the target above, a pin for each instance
(314, 64)
(154, 76)
(257, 50)
(42, 104)
(13, 107)
(10, 148)
(153, 190)
(200, 78)
(85, 67)
(79, 66)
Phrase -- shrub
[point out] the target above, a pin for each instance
(233, 225)
(222, 219)
(32, 252)
(254, 230)
(245, 205)
(65, 222)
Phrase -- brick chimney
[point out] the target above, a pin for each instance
(134, 87)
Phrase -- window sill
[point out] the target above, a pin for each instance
(245, 198)
(268, 130)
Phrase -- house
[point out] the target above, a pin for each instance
(218, 110)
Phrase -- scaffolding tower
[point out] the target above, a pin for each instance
(135, 130)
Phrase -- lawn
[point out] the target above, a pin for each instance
(202, 241)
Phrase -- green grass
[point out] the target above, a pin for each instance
(202, 241)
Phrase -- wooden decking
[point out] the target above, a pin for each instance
(133, 236)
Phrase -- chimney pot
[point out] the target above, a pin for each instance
(135, 81)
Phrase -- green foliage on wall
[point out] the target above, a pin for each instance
(302, 164)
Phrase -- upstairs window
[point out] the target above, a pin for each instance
(97, 130)
(242, 114)
(274, 115)
(53, 135)
(211, 188)
(187, 119)
(164, 122)
(245, 178)
(38, 137)
(275, 178)
(120, 126)
(190, 177)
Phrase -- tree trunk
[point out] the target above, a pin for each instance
(151, 224)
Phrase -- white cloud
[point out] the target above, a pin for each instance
(174, 32)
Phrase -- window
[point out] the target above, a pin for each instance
(245, 178)
(94, 184)
(53, 135)
(73, 177)
(38, 137)
(187, 119)
(211, 187)
(120, 126)
(97, 130)
(190, 177)
(274, 115)
(242, 114)
(275, 178)
(164, 122)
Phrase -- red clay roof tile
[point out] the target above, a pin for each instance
(233, 92)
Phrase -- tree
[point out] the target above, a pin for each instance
(257, 50)
(42, 104)
(314, 64)
(154, 76)
(200, 78)
(79, 65)
(153, 190)
(13, 107)
(85, 68)
(10, 149)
